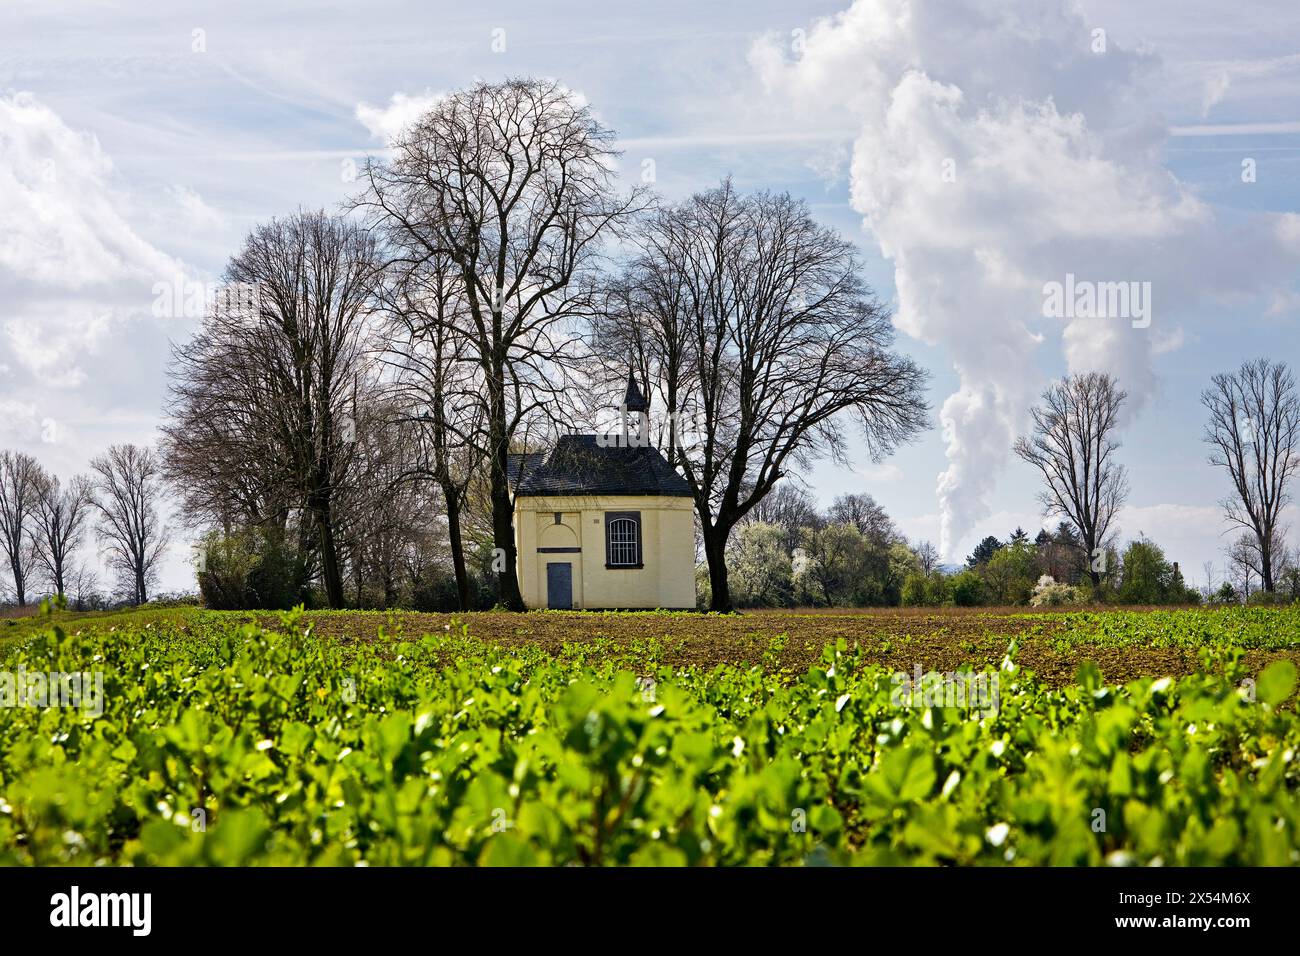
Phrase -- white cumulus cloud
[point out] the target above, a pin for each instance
(71, 263)
(387, 122)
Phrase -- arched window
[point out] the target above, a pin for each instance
(623, 539)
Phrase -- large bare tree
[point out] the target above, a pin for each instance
(265, 397)
(1252, 432)
(60, 523)
(759, 339)
(437, 384)
(514, 183)
(20, 482)
(127, 492)
(1073, 445)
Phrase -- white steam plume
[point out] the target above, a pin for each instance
(1001, 146)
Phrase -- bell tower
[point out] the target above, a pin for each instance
(636, 417)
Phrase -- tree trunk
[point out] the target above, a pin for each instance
(715, 546)
(1090, 546)
(457, 547)
(503, 530)
(358, 575)
(503, 537)
(1266, 562)
(329, 557)
(306, 557)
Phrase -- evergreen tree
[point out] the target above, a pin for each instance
(983, 551)
(1066, 535)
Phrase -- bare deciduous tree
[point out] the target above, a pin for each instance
(60, 518)
(864, 513)
(437, 382)
(383, 513)
(1243, 563)
(20, 482)
(265, 397)
(1073, 445)
(928, 556)
(513, 183)
(83, 582)
(791, 508)
(128, 489)
(1208, 591)
(751, 323)
(1253, 431)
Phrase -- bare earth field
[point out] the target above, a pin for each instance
(1125, 643)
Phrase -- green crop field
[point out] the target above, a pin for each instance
(335, 738)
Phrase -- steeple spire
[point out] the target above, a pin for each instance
(634, 401)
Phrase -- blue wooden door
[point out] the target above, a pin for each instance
(559, 585)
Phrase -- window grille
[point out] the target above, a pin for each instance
(624, 542)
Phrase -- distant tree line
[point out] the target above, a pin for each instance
(794, 555)
(851, 555)
(45, 524)
(790, 554)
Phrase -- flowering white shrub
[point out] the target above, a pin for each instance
(1048, 593)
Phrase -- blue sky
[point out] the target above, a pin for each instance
(138, 144)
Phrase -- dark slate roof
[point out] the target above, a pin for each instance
(634, 401)
(519, 464)
(579, 466)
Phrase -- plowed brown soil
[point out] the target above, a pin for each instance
(940, 640)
